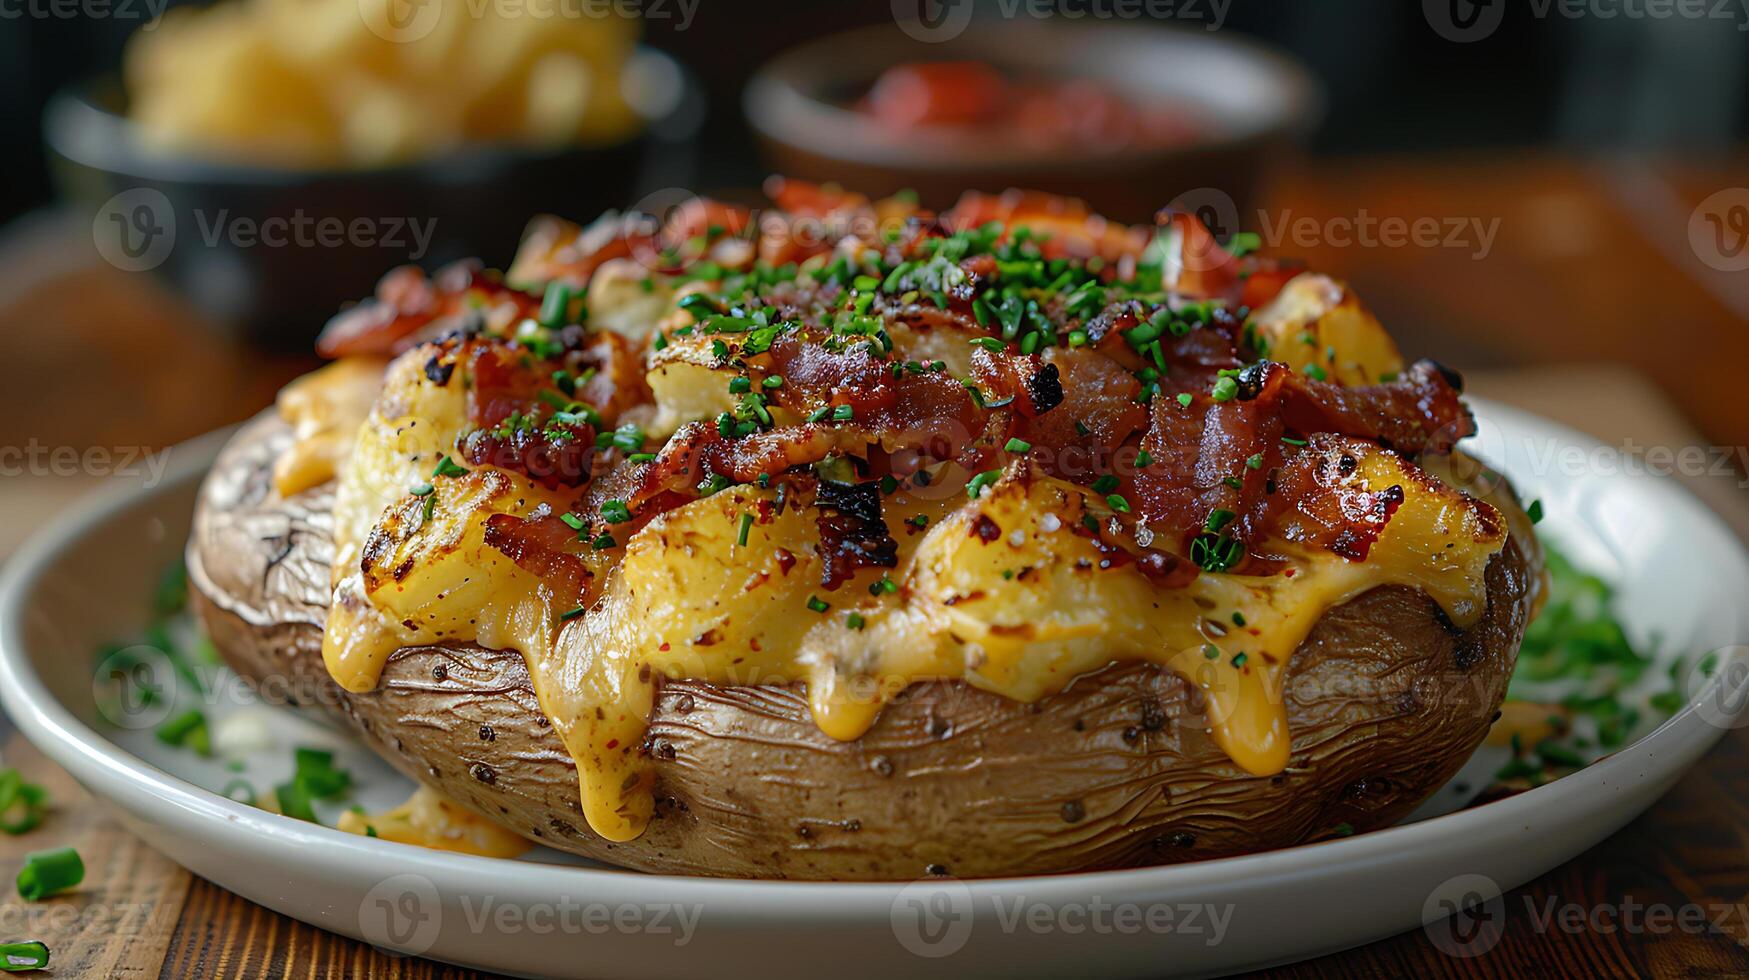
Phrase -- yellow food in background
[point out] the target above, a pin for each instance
(361, 83)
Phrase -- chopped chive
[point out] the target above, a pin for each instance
(818, 604)
(746, 525)
(1218, 518)
(843, 413)
(1292, 441)
(1211, 652)
(854, 621)
(1315, 372)
(22, 805)
(1144, 458)
(187, 730)
(1184, 399)
(316, 774)
(615, 512)
(571, 613)
(774, 381)
(422, 490)
(604, 542)
(642, 457)
(819, 414)
(1535, 511)
(1018, 446)
(1105, 484)
(448, 467)
(1225, 390)
(975, 486)
(1254, 462)
(1239, 659)
(555, 305)
(48, 873)
(1118, 503)
(19, 957)
(1238, 618)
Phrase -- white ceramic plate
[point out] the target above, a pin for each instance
(83, 583)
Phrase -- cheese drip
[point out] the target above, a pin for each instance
(1005, 592)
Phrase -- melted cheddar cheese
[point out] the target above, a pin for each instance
(1007, 592)
(429, 820)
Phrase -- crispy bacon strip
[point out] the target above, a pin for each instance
(409, 308)
(853, 535)
(1315, 499)
(546, 547)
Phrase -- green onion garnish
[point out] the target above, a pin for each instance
(48, 873)
(615, 512)
(746, 525)
(187, 730)
(22, 804)
(19, 957)
(975, 486)
(1018, 446)
(818, 604)
(448, 467)
(555, 305)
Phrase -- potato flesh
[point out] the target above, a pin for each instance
(1001, 591)
(1316, 320)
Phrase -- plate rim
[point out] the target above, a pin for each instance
(93, 758)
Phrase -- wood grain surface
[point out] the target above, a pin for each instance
(1589, 306)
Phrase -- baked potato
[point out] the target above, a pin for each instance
(915, 637)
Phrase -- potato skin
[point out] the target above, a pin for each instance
(1385, 701)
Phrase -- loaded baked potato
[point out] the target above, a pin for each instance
(850, 541)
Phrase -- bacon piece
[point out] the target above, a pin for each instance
(1201, 453)
(1204, 269)
(1070, 230)
(1419, 412)
(1317, 499)
(546, 547)
(554, 454)
(853, 535)
(409, 308)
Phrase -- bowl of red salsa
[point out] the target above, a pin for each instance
(1119, 115)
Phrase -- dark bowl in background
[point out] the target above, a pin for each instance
(1262, 106)
(187, 219)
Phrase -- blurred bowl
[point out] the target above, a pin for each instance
(272, 253)
(1256, 108)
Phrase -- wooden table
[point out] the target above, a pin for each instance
(1589, 264)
